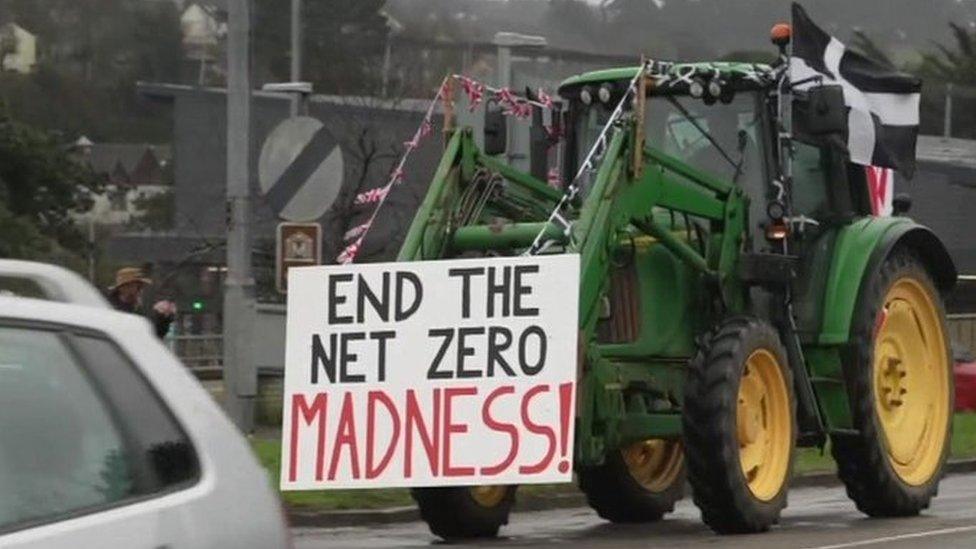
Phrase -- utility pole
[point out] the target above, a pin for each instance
(91, 249)
(240, 374)
(947, 121)
(296, 52)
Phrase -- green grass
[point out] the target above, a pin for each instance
(808, 460)
(269, 453)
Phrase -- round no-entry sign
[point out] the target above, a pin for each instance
(300, 169)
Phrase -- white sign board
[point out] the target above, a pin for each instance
(433, 373)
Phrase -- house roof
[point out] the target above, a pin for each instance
(105, 156)
(124, 158)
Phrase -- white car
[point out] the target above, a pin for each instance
(106, 440)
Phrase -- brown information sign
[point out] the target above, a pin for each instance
(298, 245)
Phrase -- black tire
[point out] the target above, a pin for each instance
(453, 513)
(613, 492)
(862, 458)
(720, 488)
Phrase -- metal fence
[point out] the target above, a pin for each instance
(200, 353)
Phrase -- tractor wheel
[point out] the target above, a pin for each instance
(739, 426)
(639, 483)
(455, 513)
(900, 382)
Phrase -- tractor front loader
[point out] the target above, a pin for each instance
(737, 299)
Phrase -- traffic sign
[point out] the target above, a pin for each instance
(298, 245)
(300, 169)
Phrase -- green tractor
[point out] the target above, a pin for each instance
(737, 298)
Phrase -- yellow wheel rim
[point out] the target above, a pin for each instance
(655, 464)
(911, 385)
(488, 496)
(764, 426)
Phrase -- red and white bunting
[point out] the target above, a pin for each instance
(513, 104)
(371, 196)
(356, 231)
(474, 90)
(545, 99)
(348, 255)
(554, 178)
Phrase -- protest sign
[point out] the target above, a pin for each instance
(434, 373)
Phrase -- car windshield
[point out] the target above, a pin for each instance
(679, 128)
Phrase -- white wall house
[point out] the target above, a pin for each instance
(202, 31)
(20, 48)
(130, 172)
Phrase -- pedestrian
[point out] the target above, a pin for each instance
(126, 296)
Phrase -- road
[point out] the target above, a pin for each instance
(817, 518)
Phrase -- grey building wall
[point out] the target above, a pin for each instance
(370, 132)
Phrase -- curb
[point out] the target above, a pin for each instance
(571, 498)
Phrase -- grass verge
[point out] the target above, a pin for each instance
(808, 460)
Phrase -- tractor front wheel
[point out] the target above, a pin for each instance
(639, 483)
(456, 513)
(900, 381)
(738, 425)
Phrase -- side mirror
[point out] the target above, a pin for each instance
(538, 147)
(825, 110)
(496, 129)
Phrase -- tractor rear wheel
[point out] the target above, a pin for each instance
(900, 382)
(455, 513)
(639, 483)
(739, 426)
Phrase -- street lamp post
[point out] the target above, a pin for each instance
(296, 52)
(507, 44)
(240, 374)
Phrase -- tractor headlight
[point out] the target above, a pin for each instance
(604, 93)
(586, 96)
(696, 88)
(715, 88)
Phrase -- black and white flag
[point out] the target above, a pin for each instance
(882, 122)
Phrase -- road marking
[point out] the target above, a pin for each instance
(914, 535)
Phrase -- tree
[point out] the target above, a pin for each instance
(156, 211)
(40, 184)
(343, 42)
(8, 44)
(957, 66)
(21, 239)
(950, 71)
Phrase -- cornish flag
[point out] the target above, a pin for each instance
(882, 123)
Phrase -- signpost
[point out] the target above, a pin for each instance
(297, 245)
(440, 373)
(301, 169)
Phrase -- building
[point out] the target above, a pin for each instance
(204, 27)
(18, 48)
(130, 171)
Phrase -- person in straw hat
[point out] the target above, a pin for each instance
(126, 296)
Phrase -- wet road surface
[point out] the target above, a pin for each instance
(817, 518)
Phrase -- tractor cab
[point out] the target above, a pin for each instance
(714, 117)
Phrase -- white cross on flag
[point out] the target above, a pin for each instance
(883, 115)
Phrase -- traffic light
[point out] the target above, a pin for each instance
(197, 305)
